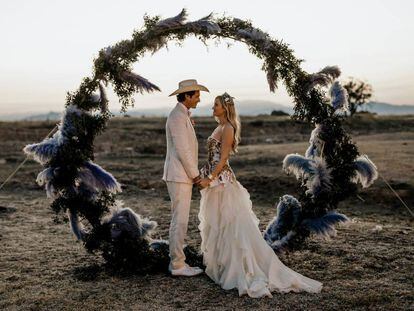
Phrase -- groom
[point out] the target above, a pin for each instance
(181, 171)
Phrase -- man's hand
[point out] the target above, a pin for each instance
(205, 182)
(197, 180)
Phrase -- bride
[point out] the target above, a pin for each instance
(234, 251)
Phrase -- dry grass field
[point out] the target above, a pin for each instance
(368, 266)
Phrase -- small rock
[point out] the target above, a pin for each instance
(377, 228)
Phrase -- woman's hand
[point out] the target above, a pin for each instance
(203, 183)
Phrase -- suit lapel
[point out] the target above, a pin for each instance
(180, 107)
(191, 125)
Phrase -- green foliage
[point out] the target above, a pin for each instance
(112, 62)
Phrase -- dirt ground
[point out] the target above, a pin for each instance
(368, 265)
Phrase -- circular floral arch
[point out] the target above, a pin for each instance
(83, 189)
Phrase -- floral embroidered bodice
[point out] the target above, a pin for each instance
(214, 151)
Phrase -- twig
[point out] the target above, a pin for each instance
(396, 194)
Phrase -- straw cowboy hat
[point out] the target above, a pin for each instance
(189, 85)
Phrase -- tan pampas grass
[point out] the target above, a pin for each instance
(141, 84)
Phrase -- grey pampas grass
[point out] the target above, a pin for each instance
(271, 81)
(77, 228)
(205, 24)
(155, 44)
(253, 34)
(315, 143)
(288, 212)
(314, 173)
(297, 165)
(320, 179)
(173, 21)
(325, 225)
(103, 97)
(95, 177)
(365, 171)
(284, 227)
(339, 97)
(44, 151)
(256, 36)
(45, 178)
(331, 71)
(324, 77)
(140, 83)
(279, 246)
(126, 221)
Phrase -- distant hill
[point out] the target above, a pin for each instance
(52, 115)
(246, 107)
(384, 108)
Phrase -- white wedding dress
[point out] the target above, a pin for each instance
(234, 251)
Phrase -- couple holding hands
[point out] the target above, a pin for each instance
(234, 251)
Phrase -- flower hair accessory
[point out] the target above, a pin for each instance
(227, 98)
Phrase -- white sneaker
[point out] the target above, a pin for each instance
(186, 271)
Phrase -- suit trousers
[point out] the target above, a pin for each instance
(180, 195)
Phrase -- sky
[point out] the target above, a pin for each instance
(47, 48)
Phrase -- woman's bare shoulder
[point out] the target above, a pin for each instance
(228, 128)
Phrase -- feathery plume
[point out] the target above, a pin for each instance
(324, 77)
(141, 84)
(325, 225)
(44, 151)
(279, 246)
(173, 21)
(45, 176)
(95, 177)
(271, 81)
(298, 165)
(314, 173)
(158, 244)
(205, 24)
(320, 179)
(103, 97)
(339, 97)
(331, 71)
(75, 225)
(253, 34)
(126, 221)
(155, 44)
(288, 213)
(365, 170)
(315, 147)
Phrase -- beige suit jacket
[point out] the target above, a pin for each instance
(181, 161)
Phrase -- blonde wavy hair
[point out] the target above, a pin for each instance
(232, 117)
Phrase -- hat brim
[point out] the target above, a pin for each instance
(196, 87)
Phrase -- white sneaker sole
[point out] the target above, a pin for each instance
(176, 273)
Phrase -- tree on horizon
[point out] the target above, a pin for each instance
(359, 93)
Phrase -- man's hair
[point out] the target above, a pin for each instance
(181, 96)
